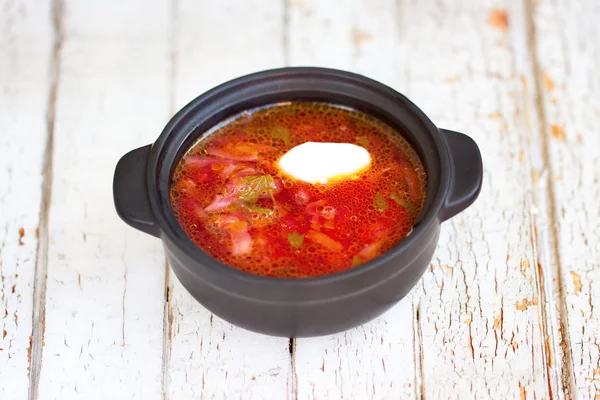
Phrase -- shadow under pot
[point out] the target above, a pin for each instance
(300, 306)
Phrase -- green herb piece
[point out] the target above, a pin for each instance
(265, 212)
(296, 240)
(363, 141)
(281, 133)
(255, 186)
(401, 201)
(380, 203)
(356, 261)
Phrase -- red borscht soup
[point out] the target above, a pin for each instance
(233, 199)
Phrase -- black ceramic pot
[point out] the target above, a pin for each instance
(299, 307)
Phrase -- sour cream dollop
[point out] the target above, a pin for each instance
(323, 162)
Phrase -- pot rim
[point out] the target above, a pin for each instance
(170, 228)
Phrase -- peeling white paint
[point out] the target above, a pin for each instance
(25, 35)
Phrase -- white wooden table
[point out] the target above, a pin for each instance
(510, 307)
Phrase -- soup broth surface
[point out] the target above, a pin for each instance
(235, 203)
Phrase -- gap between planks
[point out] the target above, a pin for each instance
(293, 378)
(551, 288)
(418, 351)
(167, 334)
(36, 340)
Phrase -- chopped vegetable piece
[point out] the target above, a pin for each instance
(219, 203)
(370, 251)
(356, 261)
(265, 212)
(228, 156)
(282, 133)
(228, 170)
(401, 201)
(200, 161)
(187, 185)
(199, 212)
(251, 148)
(246, 172)
(363, 141)
(412, 183)
(237, 150)
(296, 240)
(324, 240)
(329, 225)
(380, 203)
(256, 186)
(241, 242)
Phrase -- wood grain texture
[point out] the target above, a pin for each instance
(208, 357)
(567, 38)
(104, 304)
(25, 52)
(376, 360)
(480, 317)
(477, 322)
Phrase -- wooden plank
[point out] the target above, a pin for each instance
(480, 310)
(477, 310)
(567, 38)
(25, 51)
(208, 357)
(376, 360)
(105, 286)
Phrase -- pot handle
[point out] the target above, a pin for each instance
(130, 191)
(466, 173)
